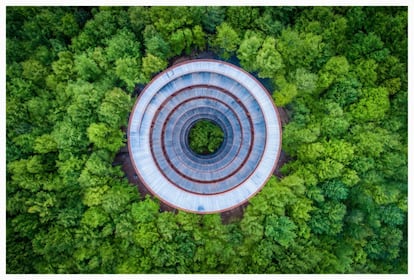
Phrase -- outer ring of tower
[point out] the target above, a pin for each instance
(170, 105)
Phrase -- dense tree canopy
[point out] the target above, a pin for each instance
(205, 137)
(339, 205)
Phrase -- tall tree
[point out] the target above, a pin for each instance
(226, 40)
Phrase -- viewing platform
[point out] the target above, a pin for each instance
(167, 109)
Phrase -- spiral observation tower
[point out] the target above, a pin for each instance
(169, 107)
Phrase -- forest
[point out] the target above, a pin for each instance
(339, 206)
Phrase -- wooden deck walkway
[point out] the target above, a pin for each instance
(163, 116)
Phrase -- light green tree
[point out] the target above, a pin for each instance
(105, 137)
(226, 40)
(269, 60)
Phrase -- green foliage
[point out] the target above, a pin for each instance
(128, 70)
(328, 219)
(280, 230)
(226, 41)
(94, 217)
(199, 37)
(205, 137)
(155, 45)
(286, 93)
(241, 18)
(210, 17)
(305, 80)
(373, 105)
(183, 39)
(269, 60)
(299, 49)
(248, 50)
(178, 41)
(34, 71)
(105, 137)
(151, 65)
(87, 68)
(114, 108)
(122, 45)
(138, 17)
(45, 144)
(63, 67)
(339, 206)
(335, 68)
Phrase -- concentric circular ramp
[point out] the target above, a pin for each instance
(165, 112)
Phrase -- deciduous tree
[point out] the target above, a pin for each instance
(226, 40)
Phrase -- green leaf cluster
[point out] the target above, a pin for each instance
(205, 137)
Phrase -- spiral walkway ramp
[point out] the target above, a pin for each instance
(172, 103)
